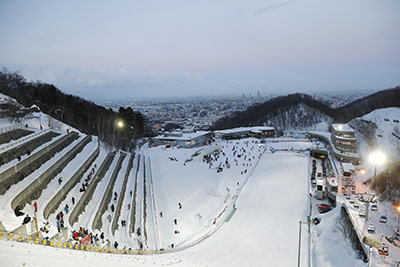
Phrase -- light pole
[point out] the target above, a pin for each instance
(398, 217)
(120, 124)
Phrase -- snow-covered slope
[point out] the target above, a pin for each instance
(379, 129)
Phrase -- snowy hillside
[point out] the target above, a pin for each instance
(379, 129)
(230, 203)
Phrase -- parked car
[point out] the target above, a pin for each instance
(361, 213)
(371, 228)
(322, 208)
(383, 219)
(374, 207)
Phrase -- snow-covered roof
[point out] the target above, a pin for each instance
(184, 136)
(342, 127)
(246, 129)
(348, 167)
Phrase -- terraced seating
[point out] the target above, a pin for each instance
(34, 190)
(62, 194)
(133, 205)
(97, 222)
(114, 225)
(21, 170)
(13, 135)
(26, 147)
(87, 196)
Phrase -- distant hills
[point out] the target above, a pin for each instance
(299, 111)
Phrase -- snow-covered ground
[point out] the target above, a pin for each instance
(264, 228)
(241, 206)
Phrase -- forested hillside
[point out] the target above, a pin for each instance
(306, 111)
(84, 115)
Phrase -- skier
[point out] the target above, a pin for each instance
(176, 221)
(115, 244)
(59, 180)
(180, 205)
(73, 201)
(129, 206)
(102, 236)
(161, 214)
(112, 207)
(35, 205)
(130, 193)
(66, 208)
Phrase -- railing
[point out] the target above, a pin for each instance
(22, 140)
(72, 244)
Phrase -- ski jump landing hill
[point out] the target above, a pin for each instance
(258, 186)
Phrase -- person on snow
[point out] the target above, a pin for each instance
(76, 235)
(18, 212)
(115, 244)
(58, 226)
(66, 208)
(73, 201)
(112, 207)
(35, 205)
(102, 236)
(26, 219)
(176, 221)
(59, 180)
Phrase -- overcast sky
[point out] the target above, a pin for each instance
(109, 49)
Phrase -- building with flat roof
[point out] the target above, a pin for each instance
(185, 138)
(343, 138)
(243, 132)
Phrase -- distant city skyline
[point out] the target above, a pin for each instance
(123, 49)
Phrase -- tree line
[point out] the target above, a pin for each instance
(81, 114)
(260, 114)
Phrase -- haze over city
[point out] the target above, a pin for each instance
(102, 49)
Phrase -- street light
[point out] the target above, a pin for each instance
(398, 217)
(120, 124)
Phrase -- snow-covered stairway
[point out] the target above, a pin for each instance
(23, 147)
(87, 196)
(12, 133)
(97, 222)
(34, 190)
(114, 225)
(71, 183)
(19, 171)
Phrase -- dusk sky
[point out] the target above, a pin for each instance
(123, 49)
